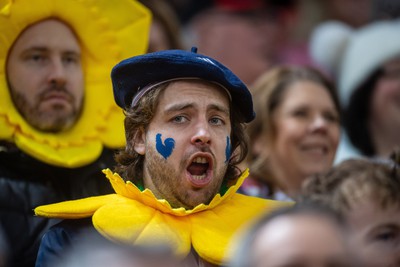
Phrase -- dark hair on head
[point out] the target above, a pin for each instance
(243, 257)
(357, 113)
(137, 120)
(385, 9)
(239, 141)
(355, 180)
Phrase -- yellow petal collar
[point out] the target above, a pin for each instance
(135, 216)
(130, 190)
(109, 31)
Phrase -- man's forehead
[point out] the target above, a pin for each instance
(191, 89)
(47, 32)
(196, 85)
(181, 95)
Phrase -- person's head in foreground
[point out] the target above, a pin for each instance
(367, 194)
(98, 251)
(304, 236)
(184, 125)
(296, 131)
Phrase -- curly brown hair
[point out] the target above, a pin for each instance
(137, 120)
(354, 180)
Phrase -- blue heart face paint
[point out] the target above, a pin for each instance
(228, 149)
(164, 149)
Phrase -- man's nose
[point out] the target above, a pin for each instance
(202, 134)
(57, 72)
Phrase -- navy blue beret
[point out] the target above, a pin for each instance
(133, 74)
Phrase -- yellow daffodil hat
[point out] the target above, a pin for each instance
(109, 31)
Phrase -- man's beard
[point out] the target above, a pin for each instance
(167, 181)
(53, 121)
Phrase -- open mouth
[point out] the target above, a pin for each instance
(199, 171)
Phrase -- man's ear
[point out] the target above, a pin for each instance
(139, 142)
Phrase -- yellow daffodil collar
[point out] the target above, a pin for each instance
(135, 216)
(109, 31)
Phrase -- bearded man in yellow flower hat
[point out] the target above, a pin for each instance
(59, 125)
(185, 117)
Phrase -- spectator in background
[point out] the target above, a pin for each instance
(367, 194)
(165, 31)
(366, 64)
(246, 36)
(355, 13)
(295, 133)
(59, 125)
(296, 236)
(186, 9)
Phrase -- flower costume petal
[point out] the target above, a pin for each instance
(136, 223)
(213, 230)
(133, 216)
(108, 31)
(77, 209)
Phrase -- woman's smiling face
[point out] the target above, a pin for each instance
(305, 135)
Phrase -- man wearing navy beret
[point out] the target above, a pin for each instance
(184, 125)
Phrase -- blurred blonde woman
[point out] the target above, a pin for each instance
(295, 133)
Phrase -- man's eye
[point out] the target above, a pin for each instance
(216, 121)
(36, 57)
(179, 119)
(71, 59)
(386, 237)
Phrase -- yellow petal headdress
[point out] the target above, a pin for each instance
(109, 31)
(134, 216)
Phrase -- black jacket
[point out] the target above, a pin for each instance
(26, 183)
(68, 234)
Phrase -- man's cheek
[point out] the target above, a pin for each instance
(164, 147)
